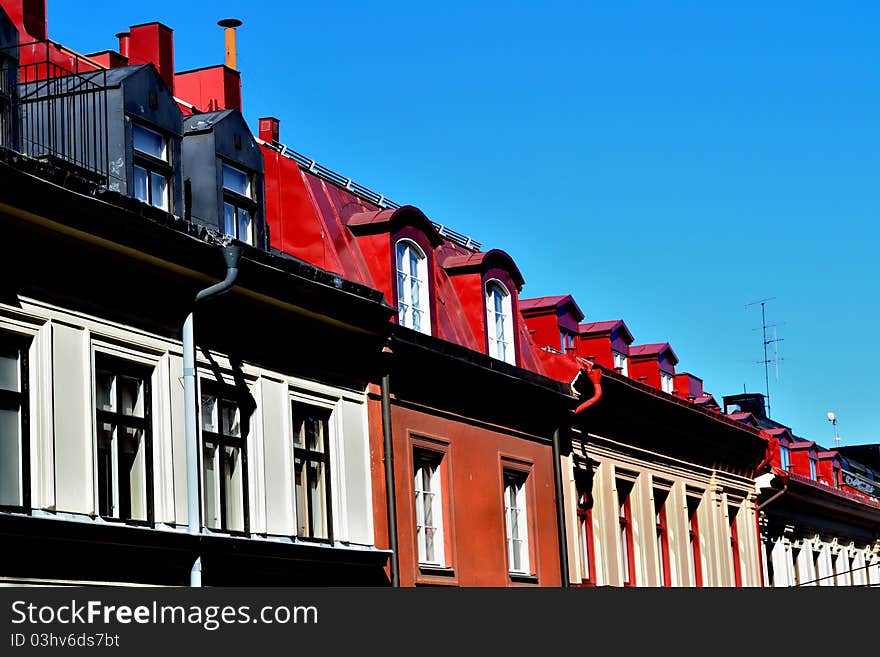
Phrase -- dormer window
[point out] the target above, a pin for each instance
(499, 322)
(413, 302)
(620, 363)
(666, 382)
(812, 468)
(238, 204)
(784, 457)
(566, 340)
(152, 171)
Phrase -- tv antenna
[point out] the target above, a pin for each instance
(774, 341)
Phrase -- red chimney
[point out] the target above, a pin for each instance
(270, 129)
(29, 16)
(152, 42)
(123, 43)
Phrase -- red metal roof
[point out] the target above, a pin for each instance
(338, 230)
(478, 259)
(653, 349)
(606, 327)
(557, 302)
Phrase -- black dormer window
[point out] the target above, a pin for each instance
(152, 170)
(238, 204)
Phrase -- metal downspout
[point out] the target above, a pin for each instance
(231, 255)
(560, 510)
(390, 496)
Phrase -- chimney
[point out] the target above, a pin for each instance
(123, 43)
(229, 25)
(29, 16)
(270, 129)
(153, 43)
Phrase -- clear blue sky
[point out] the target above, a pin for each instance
(664, 162)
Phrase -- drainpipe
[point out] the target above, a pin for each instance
(390, 496)
(596, 377)
(560, 509)
(231, 255)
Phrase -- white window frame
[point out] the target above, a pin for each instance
(138, 420)
(812, 467)
(516, 508)
(784, 456)
(502, 347)
(239, 203)
(323, 455)
(667, 382)
(153, 166)
(235, 502)
(427, 480)
(17, 448)
(620, 362)
(414, 313)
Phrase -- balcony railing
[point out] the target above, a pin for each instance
(53, 103)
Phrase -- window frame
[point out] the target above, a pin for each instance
(587, 539)
(696, 554)
(626, 553)
(813, 467)
(734, 545)
(21, 400)
(224, 392)
(784, 457)
(423, 278)
(427, 458)
(238, 202)
(662, 537)
(667, 382)
(507, 323)
(309, 456)
(118, 366)
(515, 481)
(623, 367)
(153, 165)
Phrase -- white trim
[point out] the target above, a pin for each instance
(407, 306)
(502, 344)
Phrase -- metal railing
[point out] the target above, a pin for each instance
(54, 107)
(362, 192)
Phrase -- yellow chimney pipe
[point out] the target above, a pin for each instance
(229, 25)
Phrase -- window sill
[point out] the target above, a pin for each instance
(522, 578)
(427, 570)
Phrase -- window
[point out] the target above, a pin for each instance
(566, 341)
(413, 302)
(734, 546)
(625, 544)
(693, 505)
(152, 171)
(238, 204)
(429, 508)
(666, 382)
(224, 460)
(499, 322)
(784, 457)
(812, 468)
(587, 540)
(664, 576)
(14, 433)
(516, 522)
(311, 471)
(124, 449)
(620, 363)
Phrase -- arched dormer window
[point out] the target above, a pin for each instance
(499, 322)
(413, 301)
